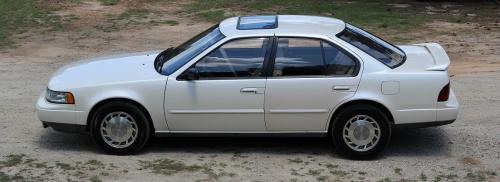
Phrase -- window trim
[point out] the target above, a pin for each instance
(270, 66)
(392, 67)
(264, 64)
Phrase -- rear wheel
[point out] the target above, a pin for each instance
(120, 128)
(361, 131)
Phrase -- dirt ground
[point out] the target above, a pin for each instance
(467, 150)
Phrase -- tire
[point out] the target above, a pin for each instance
(358, 125)
(128, 136)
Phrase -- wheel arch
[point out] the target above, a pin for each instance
(118, 99)
(379, 105)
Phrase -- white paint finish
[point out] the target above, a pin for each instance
(441, 59)
(425, 56)
(300, 103)
(344, 88)
(202, 98)
(130, 76)
(390, 87)
(448, 110)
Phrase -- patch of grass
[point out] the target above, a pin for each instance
(332, 166)
(322, 178)
(4, 177)
(12, 160)
(479, 176)
(95, 179)
(65, 166)
(314, 172)
(385, 180)
(296, 160)
(94, 162)
(423, 177)
(133, 17)
(18, 15)
(339, 173)
(294, 172)
(366, 13)
(109, 2)
(448, 177)
(212, 15)
(40, 165)
(398, 171)
(168, 166)
(135, 13)
(168, 22)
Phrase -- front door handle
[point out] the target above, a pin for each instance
(249, 90)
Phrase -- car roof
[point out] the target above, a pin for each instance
(291, 25)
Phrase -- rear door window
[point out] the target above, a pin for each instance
(298, 57)
(311, 57)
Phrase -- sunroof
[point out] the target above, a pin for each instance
(257, 22)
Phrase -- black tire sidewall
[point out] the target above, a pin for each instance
(341, 119)
(131, 109)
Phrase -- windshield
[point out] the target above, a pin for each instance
(172, 59)
(381, 50)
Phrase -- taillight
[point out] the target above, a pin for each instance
(444, 93)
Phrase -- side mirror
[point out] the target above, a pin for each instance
(190, 74)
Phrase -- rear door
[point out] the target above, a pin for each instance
(308, 78)
(227, 93)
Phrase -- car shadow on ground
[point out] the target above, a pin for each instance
(58, 141)
(405, 142)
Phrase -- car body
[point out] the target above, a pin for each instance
(257, 75)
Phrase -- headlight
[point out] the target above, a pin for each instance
(59, 97)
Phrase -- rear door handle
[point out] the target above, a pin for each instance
(341, 87)
(250, 90)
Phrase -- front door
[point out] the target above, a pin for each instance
(309, 77)
(224, 91)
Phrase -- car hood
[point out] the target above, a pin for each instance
(105, 70)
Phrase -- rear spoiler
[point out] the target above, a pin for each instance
(441, 59)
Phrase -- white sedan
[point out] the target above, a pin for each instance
(280, 75)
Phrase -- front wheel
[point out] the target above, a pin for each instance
(361, 131)
(120, 128)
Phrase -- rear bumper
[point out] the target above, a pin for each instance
(444, 113)
(448, 110)
(423, 124)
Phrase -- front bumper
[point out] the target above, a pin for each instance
(61, 117)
